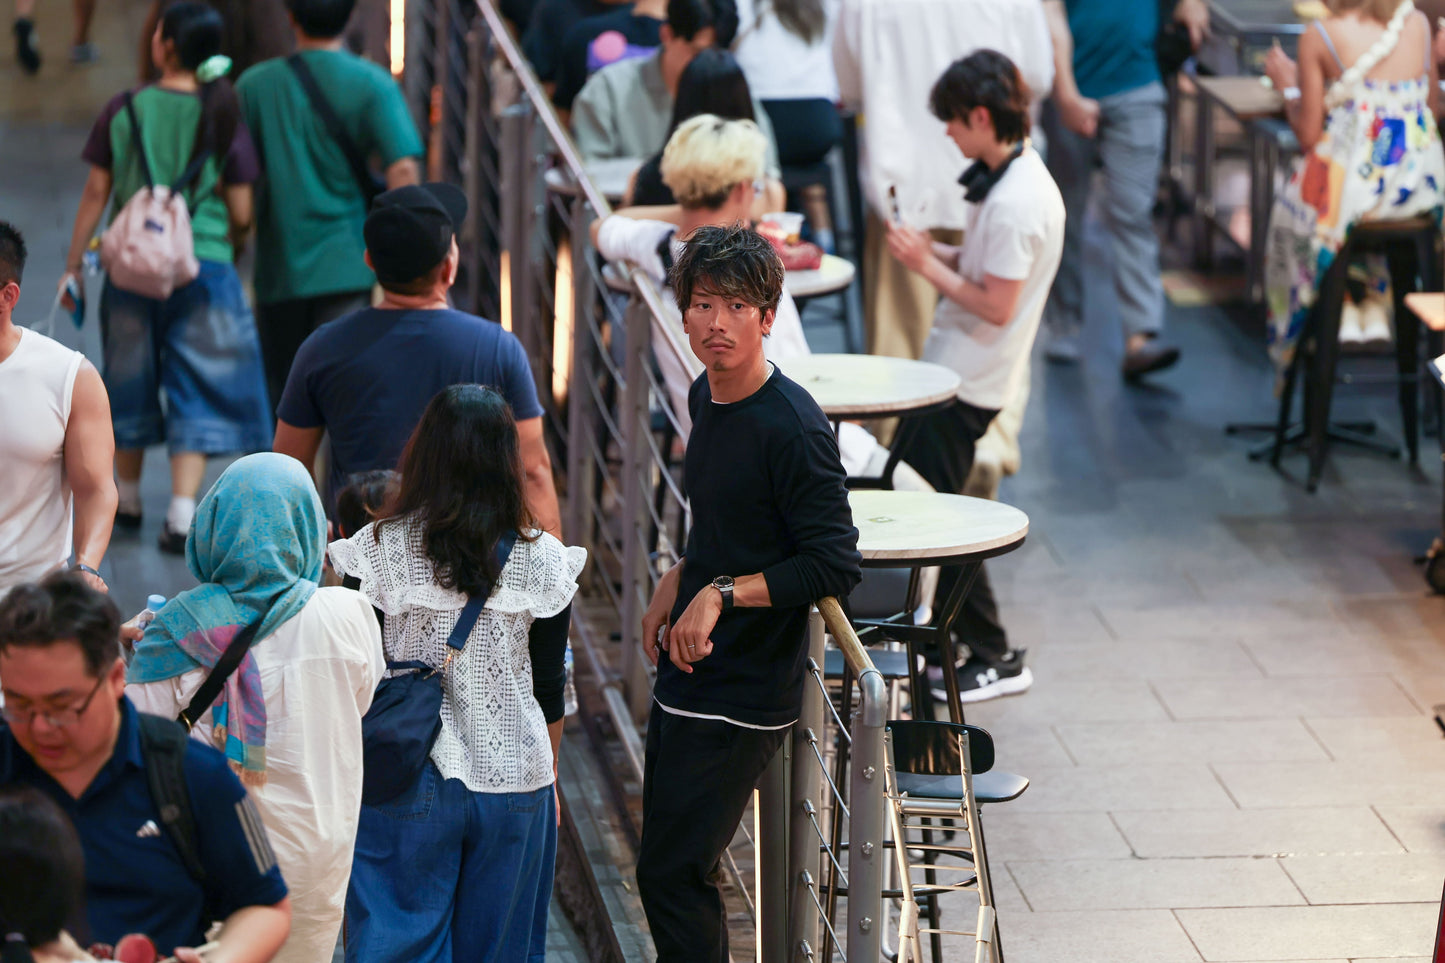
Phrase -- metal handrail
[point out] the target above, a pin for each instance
(571, 157)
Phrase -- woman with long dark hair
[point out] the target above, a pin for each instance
(198, 347)
(464, 857)
(712, 83)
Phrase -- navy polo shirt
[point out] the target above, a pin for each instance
(135, 881)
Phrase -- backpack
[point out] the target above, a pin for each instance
(148, 249)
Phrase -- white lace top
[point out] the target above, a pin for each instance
(493, 737)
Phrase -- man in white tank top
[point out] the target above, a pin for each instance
(57, 447)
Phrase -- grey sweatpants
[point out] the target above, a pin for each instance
(1130, 146)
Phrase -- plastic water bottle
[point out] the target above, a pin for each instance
(153, 607)
(569, 694)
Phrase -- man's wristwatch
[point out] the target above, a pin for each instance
(724, 585)
(82, 567)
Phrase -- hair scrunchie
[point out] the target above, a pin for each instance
(213, 68)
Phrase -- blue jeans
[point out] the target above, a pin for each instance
(446, 875)
(200, 348)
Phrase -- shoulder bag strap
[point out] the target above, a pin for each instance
(222, 670)
(136, 142)
(165, 763)
(359, 169)
(473, 610)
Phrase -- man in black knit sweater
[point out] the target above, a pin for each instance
(771, 533)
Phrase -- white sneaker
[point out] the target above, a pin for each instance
(1351, 331)
(1375, 322)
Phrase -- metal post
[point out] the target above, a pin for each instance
(581, 487)
(515, 130)
(635, 524)
(1203, 178)
(770, 864)
(807, 788)
(867, 802)
(476, 104)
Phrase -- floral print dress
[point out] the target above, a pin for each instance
(1379, 158)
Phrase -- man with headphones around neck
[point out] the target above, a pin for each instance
(994, 287)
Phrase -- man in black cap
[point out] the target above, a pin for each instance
(366, 377)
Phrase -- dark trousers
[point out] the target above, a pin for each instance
(941, 449)
(805, 130)
(696, 783)
(283, 325)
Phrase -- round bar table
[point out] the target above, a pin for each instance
(609, 176)
(848, 386)
(917, 529)
(830, 277)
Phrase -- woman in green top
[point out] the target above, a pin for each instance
(199, 346)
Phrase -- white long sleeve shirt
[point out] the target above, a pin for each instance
(318, 672)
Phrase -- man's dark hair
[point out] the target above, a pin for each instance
(988, 79)
(687, 18)
(416, 286)
(44, 878)
(322, 19)
(731, 262)
(62, 608)
(12, 254)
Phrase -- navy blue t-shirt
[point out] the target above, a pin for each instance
(367, 377)
(135, 881)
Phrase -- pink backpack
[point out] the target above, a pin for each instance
(148, 249)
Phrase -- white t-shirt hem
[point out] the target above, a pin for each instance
(716, 718)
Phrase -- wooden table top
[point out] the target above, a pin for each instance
(610, 177)
(834, 274)
(902, 526)
(1429, 307)
(1244, 97)
(862, 385)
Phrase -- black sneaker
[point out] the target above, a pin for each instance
(172, 543)
(27, 51)
(130, 521)
(979, 681)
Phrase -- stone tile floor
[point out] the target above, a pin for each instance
(1229, 737)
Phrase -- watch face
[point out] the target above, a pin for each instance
(723, 582)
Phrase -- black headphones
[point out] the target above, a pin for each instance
(979, 179)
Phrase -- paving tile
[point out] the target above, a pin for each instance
(1427, 690)
(1023, 747)
(1057, 885)
(1303, 932)
(1154, 659)
(1260, 832)
(1116, 936)
(1125, 743)
(1413, 740)
(1023, 835)
(1050, 700)
(1368, 878)
(1210, 621)
(1285, 784)
(1347, 655)
(1420, 828)
(1032, 626)
(1371, 695)
(1122, 788)
(1387, 618)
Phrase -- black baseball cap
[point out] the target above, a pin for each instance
(410, 229)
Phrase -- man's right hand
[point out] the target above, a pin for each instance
(1080, 115)
(655, 621)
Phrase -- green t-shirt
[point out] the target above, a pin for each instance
(168, 123)
(310, 210)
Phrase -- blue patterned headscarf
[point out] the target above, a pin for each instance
(256, 546)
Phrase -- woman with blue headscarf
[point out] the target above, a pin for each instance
(289, 718)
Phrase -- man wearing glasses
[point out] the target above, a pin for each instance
(70, 732)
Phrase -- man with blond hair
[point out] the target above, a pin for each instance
(712, 167)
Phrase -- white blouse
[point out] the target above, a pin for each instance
(493, 737)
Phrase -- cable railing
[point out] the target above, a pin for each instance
(528, 261)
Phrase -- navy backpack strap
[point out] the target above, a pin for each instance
(476, 603)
